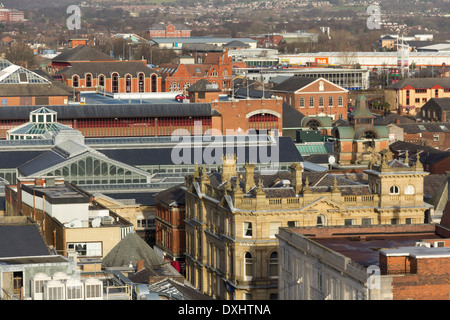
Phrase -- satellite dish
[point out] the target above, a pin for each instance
(331, 160)
(96, 222)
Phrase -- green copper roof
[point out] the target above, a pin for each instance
(361, 109)
(346, 132)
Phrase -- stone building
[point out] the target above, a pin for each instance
(232, 219)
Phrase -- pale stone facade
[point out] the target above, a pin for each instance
(231, 244)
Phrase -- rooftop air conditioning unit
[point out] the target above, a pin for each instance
(37, 285)
(93, 289)
(74, 289)
(107, 220)
(54, 290)
(423, 244)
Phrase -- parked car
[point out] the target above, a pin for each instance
(181, 97)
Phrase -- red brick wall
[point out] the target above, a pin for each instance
(431, 282)
(234, 113)
(313, 91)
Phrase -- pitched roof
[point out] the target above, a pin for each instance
(203, 85)
(236, 44)
(420, 83)
(414, 128)
(113, 111)
(107, 68)
(293, 84)
(132, 249)
(287, 153)
(21, 241)
(173, 196)
(442, 103)
(32, 90)
(82, 53)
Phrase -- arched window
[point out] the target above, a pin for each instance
(313, 124)
(88, 80)
(141, 82)
(340, 101)
(409, 189)
(128, 83)
(321, 220)
(273, 264)
(154, 80)
(75, 81)
(115, 82)
(394, 190)
(369, 137)
(330, 101)
(248, 266)
(101, 80)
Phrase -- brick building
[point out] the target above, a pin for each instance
(20, 86)
(111, 76)
(78, 53)
(11, 15)
(170, 239)
(216, 67)
(361, 140)
(407, 96)
(314, 96)
(430, 134)
(436, 110)
(169, 31)
(418, 272)
(238, 115)
(366, 264)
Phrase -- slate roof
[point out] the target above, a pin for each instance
(236, 44)
(392, 118)
(203, 85)
(292, 118)
(293, 84)
(420, 83)
(107, 68)
(442, 103)
(288, 153)
(21, 241)
(173, 196)
(32, 90)
(16, 158)
(113, 111)
(414, 128)
(170, 286)
(142, 198)
(82, 53)
(132, 249)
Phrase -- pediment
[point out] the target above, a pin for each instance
(323, 204)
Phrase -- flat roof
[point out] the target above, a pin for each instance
(418, 252)
(58, 194)
(366, 251)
